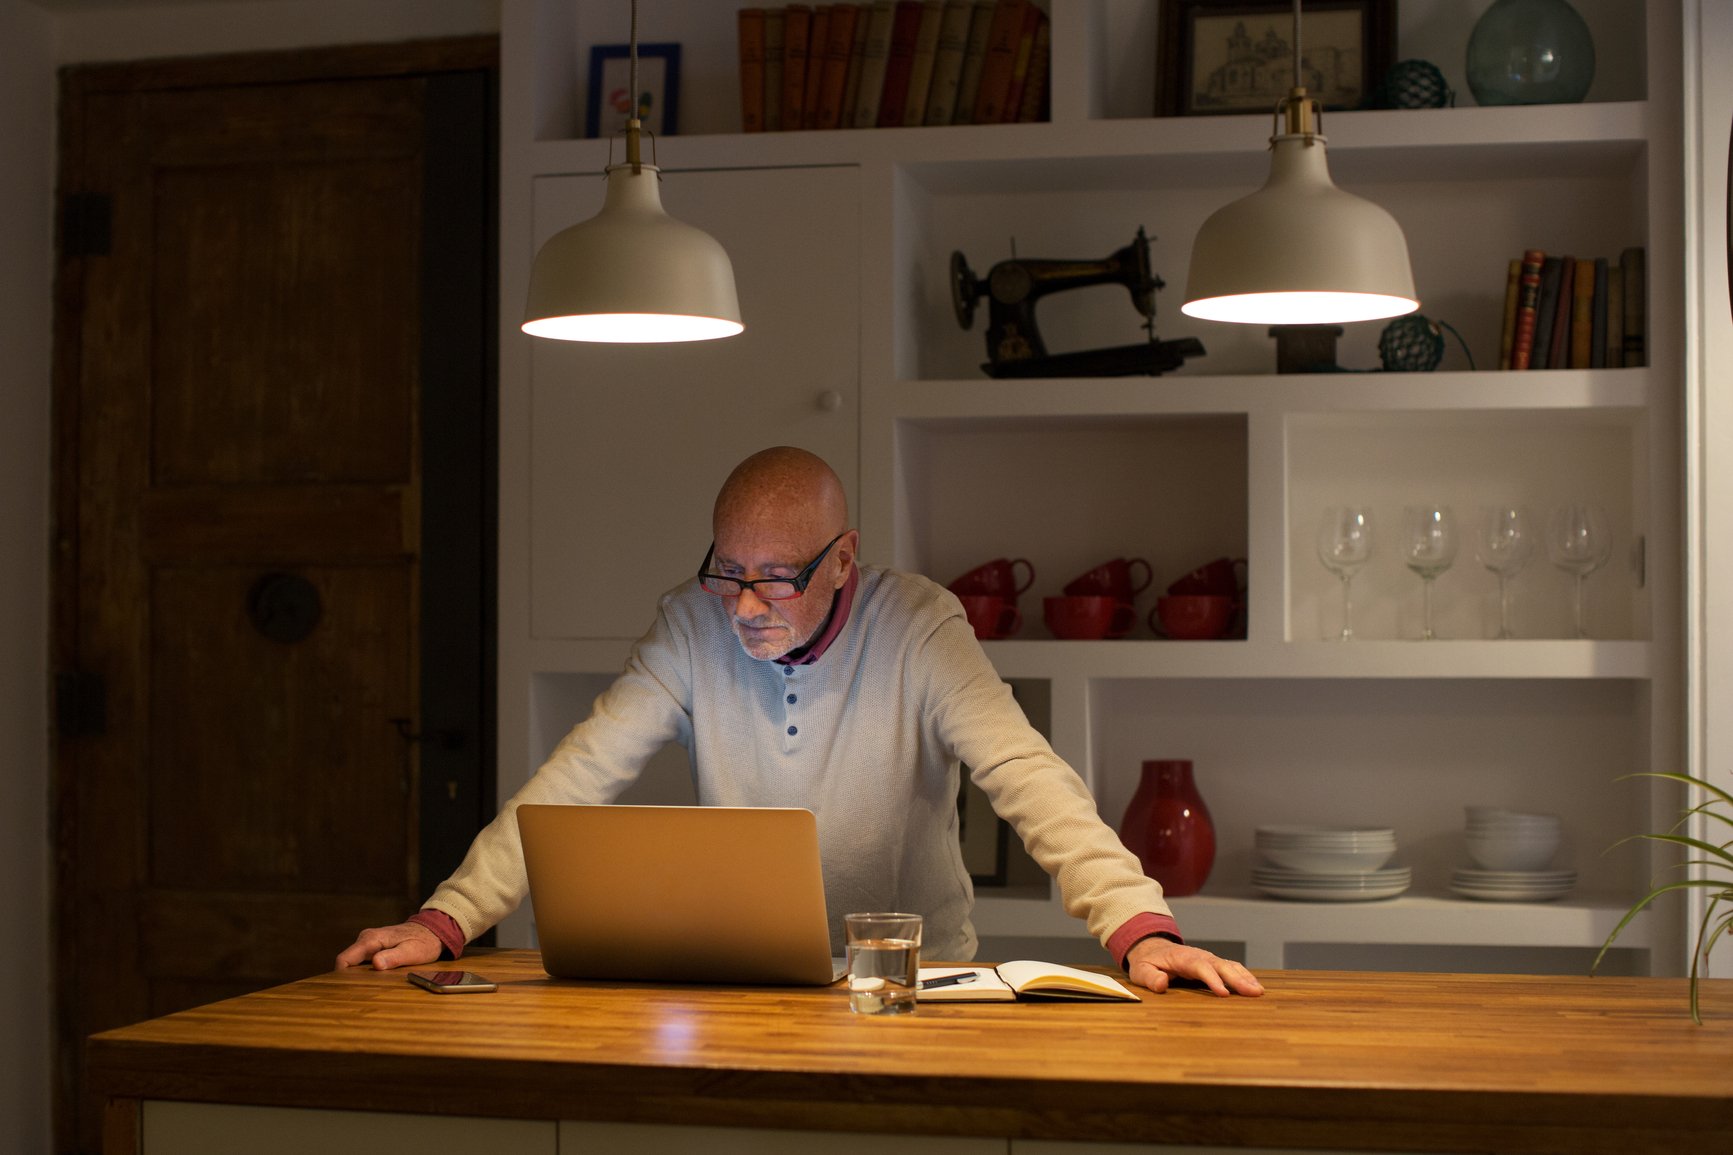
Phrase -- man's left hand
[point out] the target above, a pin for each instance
(1154, 962)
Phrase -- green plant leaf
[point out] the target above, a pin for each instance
(1724, 856)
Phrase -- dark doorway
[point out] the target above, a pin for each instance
(274, 514)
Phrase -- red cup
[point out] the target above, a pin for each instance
(1113, 579)
(1088, 617)
(1223, 577)
(1192, 617)
(991, 617)
(996, 578)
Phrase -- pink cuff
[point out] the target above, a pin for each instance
(450, 935)
(1137, 928)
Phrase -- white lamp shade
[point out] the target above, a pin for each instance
(1299, 251)
(632, 273)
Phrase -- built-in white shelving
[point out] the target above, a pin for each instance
(1220, 458)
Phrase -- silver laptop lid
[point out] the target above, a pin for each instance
(702, 894)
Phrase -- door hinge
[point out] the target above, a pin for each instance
(86, 221)
(81, 704)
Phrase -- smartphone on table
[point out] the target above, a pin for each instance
(451, 982)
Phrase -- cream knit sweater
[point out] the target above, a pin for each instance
(869, 738)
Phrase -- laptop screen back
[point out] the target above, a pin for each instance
(702, 894)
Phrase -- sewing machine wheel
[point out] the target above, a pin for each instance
(964, 289)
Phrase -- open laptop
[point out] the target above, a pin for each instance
(698, 894)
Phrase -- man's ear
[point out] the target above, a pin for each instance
(845, 552)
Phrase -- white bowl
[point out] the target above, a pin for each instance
(1329, 860)
(1329, 837)
(1504, 851)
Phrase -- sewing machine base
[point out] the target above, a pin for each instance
(1150, 358)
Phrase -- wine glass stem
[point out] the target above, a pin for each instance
(1426, 609)
(1347, 609)
(1581, 632)
(1503, 610)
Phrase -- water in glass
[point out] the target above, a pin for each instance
(882, 974)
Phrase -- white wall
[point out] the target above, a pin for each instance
(1709, 108)
(26, 260)
(38, 37)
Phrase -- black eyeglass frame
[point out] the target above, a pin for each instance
(799, 581)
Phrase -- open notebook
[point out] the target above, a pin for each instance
(1023, 979)
(693, 894)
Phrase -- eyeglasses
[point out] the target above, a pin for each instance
(768, 589)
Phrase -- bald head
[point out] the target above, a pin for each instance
(783, 486)
(779, 512)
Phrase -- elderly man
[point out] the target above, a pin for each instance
(795, 677)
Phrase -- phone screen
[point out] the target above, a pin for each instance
(451, 982)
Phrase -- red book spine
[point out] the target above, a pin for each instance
(1528, 300)
(900, 65)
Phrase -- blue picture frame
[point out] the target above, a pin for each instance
(658, 82)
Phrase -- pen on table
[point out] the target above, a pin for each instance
(950, 980)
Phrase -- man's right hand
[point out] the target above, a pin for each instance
(405, 945)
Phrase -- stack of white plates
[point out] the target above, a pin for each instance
(1512, 885)
(1328, 863)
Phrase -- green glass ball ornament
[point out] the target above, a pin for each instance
(1415, 84)
(1411, 344)
(1530, 52)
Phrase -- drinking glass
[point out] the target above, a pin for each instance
(1344, 544)
(1505, 544)
(1429, 548)
(1579, 542)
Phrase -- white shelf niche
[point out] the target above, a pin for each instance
(1409, 755)
(1462, 231)
(1536, 459)
(1120, 39)
(1067, 494)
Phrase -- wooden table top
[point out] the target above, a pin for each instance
(1352, 1060)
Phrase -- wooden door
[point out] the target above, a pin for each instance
(244, 374)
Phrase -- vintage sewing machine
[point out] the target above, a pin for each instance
(1014, 345)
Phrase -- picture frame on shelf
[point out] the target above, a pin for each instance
(609, 106)
(1223, 57)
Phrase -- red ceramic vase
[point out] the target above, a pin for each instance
(1168, 827)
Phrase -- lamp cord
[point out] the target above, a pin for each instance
(633, 94)
(1296, 79)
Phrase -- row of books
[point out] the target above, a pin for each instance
(1564, 312)
(893, 63)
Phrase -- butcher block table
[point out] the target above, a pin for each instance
(1326, 1060)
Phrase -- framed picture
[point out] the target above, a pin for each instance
(610, 103)
(1231, 56)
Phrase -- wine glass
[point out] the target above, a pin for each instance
(1505, 544)
(1579, 542)
(1344, 544)
(1429, 548)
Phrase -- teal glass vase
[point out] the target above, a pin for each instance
(1530, 52)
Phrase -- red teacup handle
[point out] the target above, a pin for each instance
(1131, 565)
(1026, 564)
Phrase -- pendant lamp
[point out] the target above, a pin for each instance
(1299, 251)
(632, 273)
